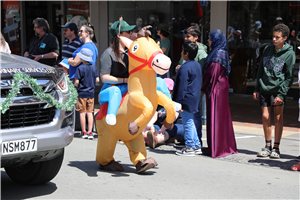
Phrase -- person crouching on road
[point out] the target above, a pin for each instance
(86, 77)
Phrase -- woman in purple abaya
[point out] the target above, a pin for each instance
(220, 134)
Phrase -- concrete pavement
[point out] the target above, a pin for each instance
(238, 176)
(201, 177)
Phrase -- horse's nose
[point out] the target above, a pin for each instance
(161, 64)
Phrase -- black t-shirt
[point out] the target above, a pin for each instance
(48, 43)
(110, 65)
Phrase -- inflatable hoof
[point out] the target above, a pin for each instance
(145, 164)
(112, 166)
(133, 128)
(111, 119)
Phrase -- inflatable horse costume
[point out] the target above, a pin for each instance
(137, 108)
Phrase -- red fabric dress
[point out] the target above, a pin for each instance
(220, 134)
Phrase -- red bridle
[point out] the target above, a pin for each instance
(144, 62)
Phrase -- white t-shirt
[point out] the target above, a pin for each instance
(5, 49)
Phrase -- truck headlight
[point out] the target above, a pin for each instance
(62, 84)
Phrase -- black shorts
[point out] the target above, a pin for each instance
(268, 100)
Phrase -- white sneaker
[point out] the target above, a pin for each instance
(84, 136)
(90, 136)
(198, 151)
(187, 151)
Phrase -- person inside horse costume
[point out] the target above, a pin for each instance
(137, 107)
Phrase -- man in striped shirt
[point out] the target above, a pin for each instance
(72, 41)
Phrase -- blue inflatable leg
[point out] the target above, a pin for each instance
(113, 96)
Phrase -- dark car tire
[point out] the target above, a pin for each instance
(36, 173)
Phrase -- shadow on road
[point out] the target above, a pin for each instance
(285, 165)
(162, 151)
(247, 156)
(91, 168)
(12, 190)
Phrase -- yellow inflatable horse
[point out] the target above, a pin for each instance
(138, 107)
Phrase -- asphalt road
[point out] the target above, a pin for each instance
(240, 176)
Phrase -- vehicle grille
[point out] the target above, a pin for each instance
(23, 92)
(27, 115)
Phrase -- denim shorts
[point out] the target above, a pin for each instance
(268, 100)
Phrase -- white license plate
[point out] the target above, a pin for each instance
(19, 146)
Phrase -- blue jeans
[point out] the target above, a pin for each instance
(198, 123)
(200, 117)
(177, 131)
(190, 132)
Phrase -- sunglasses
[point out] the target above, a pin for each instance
(80, 31)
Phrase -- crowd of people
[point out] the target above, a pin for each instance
(201, 79)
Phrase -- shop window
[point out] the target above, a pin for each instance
(78, 12)
(11, 25)
(249, 31)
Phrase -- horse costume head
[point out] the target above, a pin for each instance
(145, 54)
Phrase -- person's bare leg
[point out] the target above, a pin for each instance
(90, 122)
(278, 112)
(266, 118)
(82, 121)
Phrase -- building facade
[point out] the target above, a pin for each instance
(247, 25)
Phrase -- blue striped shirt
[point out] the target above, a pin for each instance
(68, 49)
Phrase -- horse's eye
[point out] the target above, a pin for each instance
(135, 48)
(157, 60)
